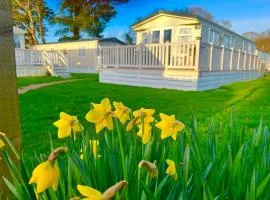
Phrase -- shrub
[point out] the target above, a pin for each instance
(132, 156)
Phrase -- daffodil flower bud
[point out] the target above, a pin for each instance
(150, 167)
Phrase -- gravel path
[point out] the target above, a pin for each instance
(23, 90)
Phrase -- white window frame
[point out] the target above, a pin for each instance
(144, 38)
(163, 38)
(17, 41)
(159, 39)
(182, 35)
(215, 38)
(227, 38)
(172, 28)
(82, 51)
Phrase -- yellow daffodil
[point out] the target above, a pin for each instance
(93, 194)
(45, 175)
(144, 115)
(141, 116)
(169, 126)
(171, 169)
(145, 132)
(66, 124)
(94, 144)
(2, 144)
(89, 193)
(150, 167)
(121, 112)
(101, 115)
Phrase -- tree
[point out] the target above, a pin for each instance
(130, 37)
(251, 35)
(197, 10)
(262, 40)
(263, 43)
(9, 110)
(43, 14)
(32, 15)
(226, 24)
(85, 16)
(202, 12)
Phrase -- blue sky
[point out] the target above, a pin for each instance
(245, 15)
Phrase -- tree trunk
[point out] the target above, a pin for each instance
(32, 28)
(76, 33)
(9, 110)
(40, 24)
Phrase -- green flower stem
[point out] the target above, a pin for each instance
(122, 152)
(12, 147)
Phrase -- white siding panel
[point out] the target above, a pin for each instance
(211, 80)
(190, 82)
(23, 71)
(155, 80)
(82, 70)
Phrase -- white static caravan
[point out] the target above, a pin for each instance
(82, 55)
(180, 51)
(62, 58)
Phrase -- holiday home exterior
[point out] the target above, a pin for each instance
(180, 51)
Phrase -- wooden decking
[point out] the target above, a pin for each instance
(185, 66)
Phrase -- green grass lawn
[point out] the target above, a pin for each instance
(40, 108)
(25, 81)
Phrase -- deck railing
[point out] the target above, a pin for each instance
(52, 59)
(175, 56)
(220, 58)
(28, 57)
(186, 56)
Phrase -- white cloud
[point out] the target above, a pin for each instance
(254, 24)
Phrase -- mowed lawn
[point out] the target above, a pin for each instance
(40, 108)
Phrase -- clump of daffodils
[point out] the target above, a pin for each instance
(105, 116)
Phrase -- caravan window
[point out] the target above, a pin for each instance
(214, 37)
(167, 35)
(82, 51)
(155, 37)
(185, 35)
(17, 41)
(227, 41)
(144, 38)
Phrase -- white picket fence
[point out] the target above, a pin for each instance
(185, 56)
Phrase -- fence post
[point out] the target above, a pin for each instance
(222, 58)
(245, 60)
(239, 58)
(140, 56)
(211, 56)
(231, 59)
(197, 54)
(166, 56)
(249, 63)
